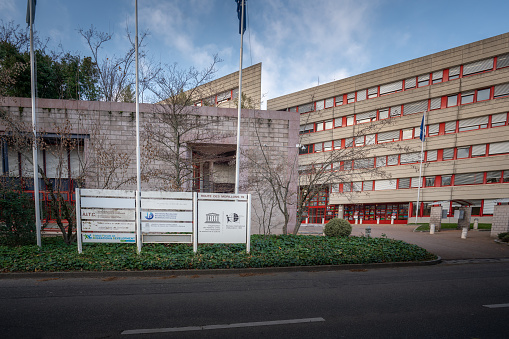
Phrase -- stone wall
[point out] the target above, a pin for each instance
(500, 220)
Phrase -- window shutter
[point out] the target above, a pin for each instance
(409, 158)
(410, 83)
(359, 141)
(454, 70)
(350, 96)
(357, 186)
(364, 163)
(334, 188)
(478, 150)
(348, 142)
(501, 90)
(318, 147)
(339, 100)
(306, 108)
(381, 161)
(392, 87)
(320, 105)
(415, 182)
(368, 185)
(372, 90)
(329, 102)
(503, 61)
(432, 155)
(415, 107)
(423, 77)
(478, 66)
(388, 136)
(433, 129)
(338, 122)
(450, 127)
(388, 184)
(236, 94)
(465, 123)
(392, 160)
(435, 103)
(404, 183)
(370, 139)
(468, 178)
(437, 75)
(395, 111)
(498, 118)
(499, 147)
(361, 95)
(488, 207)
(448, 154)
(365, 116)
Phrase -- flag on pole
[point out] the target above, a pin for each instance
(33, 11)
(239, 15)
(422, 135)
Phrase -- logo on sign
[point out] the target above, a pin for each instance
(233, 217)
(149, 216)
(212, 218)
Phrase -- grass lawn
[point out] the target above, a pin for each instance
(269, 251)
(453, 226)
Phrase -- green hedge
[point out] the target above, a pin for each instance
(270, 251)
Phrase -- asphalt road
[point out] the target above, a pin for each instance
(441, 301)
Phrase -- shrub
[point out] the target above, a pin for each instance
(337, 228)
(504, 236)
(17, 217)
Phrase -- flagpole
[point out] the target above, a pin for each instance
(138, 167)
(34, 126)
(237, 163)
(423, 137)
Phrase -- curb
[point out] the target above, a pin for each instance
(242, 271)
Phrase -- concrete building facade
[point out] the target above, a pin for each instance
(463, 93)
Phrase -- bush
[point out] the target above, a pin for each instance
(337, 228)
(504, 236)
(17, 217)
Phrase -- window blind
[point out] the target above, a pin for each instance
(478, 66)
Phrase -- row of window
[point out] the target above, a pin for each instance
(421, 106)
(489, 121)
(219, 98)
(422, 80)
(445, 154)
(477, 178)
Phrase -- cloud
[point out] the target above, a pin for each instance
(8, 9)
(298, 41)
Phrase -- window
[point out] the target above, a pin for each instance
(463, 152)
(415, 107)
(435, 103)
(293, 109)
(479, 150)
(319, 105)
(328, 124)
(349, 142)
(450, 127)
(327, 146)
(349, 120)
(365, 117)
(336, 166)
(368, 185)
(501, 90)
(437, 77)
(304, 129)
(357, 186)
(381, 161)
(505, 178)
(319, 126)
(347, 187)
(347, 165)
(404, 183)
(467, 97)
(388, 136)
(433, 129)
(415, 182)
(338, 122)
(498, 119)
(408, 133)
(372, 92)
(432, 155)
(305, 149)
(364, 163)
(329, 102)
(361, 95)
(499, 147)
(493, 177)
(337, 144)
(483, 94)
(370, 139)
(473, 123)
(391, 88)
(452, 100)
(396, 111)
(410, 83)
(429, 182)
(392, 160)
(448, 154)
(423, 80)
(478, 66)
(339, 100)
(318, 147)
(454, 72)
(350, 97)
(469, 178)
(334, 188)
(306, 108)
(359, 141)
(386, 184)
(446, 180)
(410, 158)
(223, 97)
(383, 114)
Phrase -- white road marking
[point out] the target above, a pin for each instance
(496, 305)
(215, 327)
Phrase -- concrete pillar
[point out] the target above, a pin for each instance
(500, 223)
(435, 217)
(467, 212)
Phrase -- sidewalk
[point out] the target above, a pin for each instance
(446, 244)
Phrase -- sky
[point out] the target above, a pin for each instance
(300, 43)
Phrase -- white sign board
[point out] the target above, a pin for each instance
(92, 202)
(166, 227)
(162, 204)
(166, 216)
(108, 214)
(104, 226)
(109, 237)
(221, 196)
(222, 222)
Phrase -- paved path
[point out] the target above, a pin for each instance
(447, 244)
